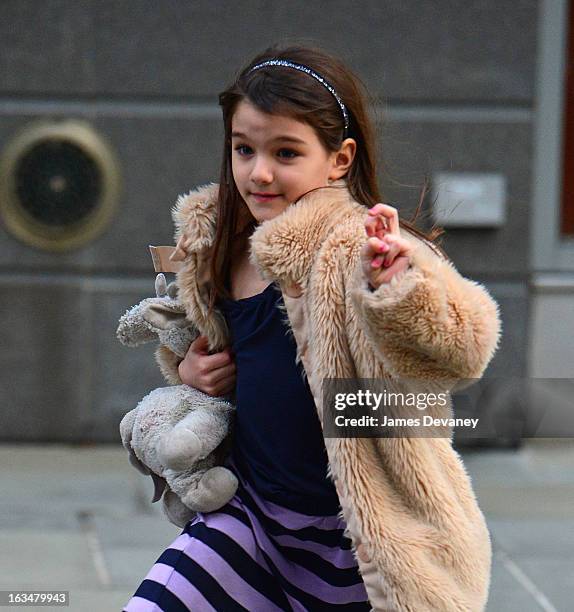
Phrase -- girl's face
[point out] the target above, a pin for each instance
(276, 159)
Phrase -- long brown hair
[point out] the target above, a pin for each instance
(281, 90)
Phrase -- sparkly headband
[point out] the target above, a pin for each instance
(302, 68)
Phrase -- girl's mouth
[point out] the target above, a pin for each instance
(264, 197)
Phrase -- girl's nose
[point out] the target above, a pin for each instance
(261, 173)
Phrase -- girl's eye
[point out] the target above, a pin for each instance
(239, 147)
(289, 151)
(245, 150)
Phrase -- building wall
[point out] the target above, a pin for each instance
(551, 350)
(454, 83)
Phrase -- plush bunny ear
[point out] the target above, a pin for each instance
(172, 290)
(160, 285)
(165, 316)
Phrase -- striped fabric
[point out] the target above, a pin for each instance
(256, 556)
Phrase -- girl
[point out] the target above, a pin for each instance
(294, 239)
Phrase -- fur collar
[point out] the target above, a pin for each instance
(282, 248)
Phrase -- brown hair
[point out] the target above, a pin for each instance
(283, 91)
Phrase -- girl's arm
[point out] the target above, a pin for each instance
(427, 321)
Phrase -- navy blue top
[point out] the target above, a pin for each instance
(278, 444)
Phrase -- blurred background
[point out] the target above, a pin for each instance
(108, 112)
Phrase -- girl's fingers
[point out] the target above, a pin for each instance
(397, 246)
(385, 274)
(222, 374)
(382, 252)
(389, 213)
(386, 252)
(373, 225)
(216, 361)
(394, 250)
(374, 251)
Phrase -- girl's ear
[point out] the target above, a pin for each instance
(343, 158)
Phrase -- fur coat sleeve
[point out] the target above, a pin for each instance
(429, 322)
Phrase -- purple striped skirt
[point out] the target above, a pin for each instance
(256, 556)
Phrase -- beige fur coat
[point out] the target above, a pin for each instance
(407, 501)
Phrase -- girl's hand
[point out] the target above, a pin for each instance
(385, 253)
(213, 374)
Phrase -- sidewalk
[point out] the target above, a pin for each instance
(80, 519)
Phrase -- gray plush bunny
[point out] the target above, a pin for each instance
(177, 434)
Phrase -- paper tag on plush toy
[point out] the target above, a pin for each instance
(160, 256)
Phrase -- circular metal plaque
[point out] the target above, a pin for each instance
(59, 185)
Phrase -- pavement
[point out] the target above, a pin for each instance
(80, 519)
